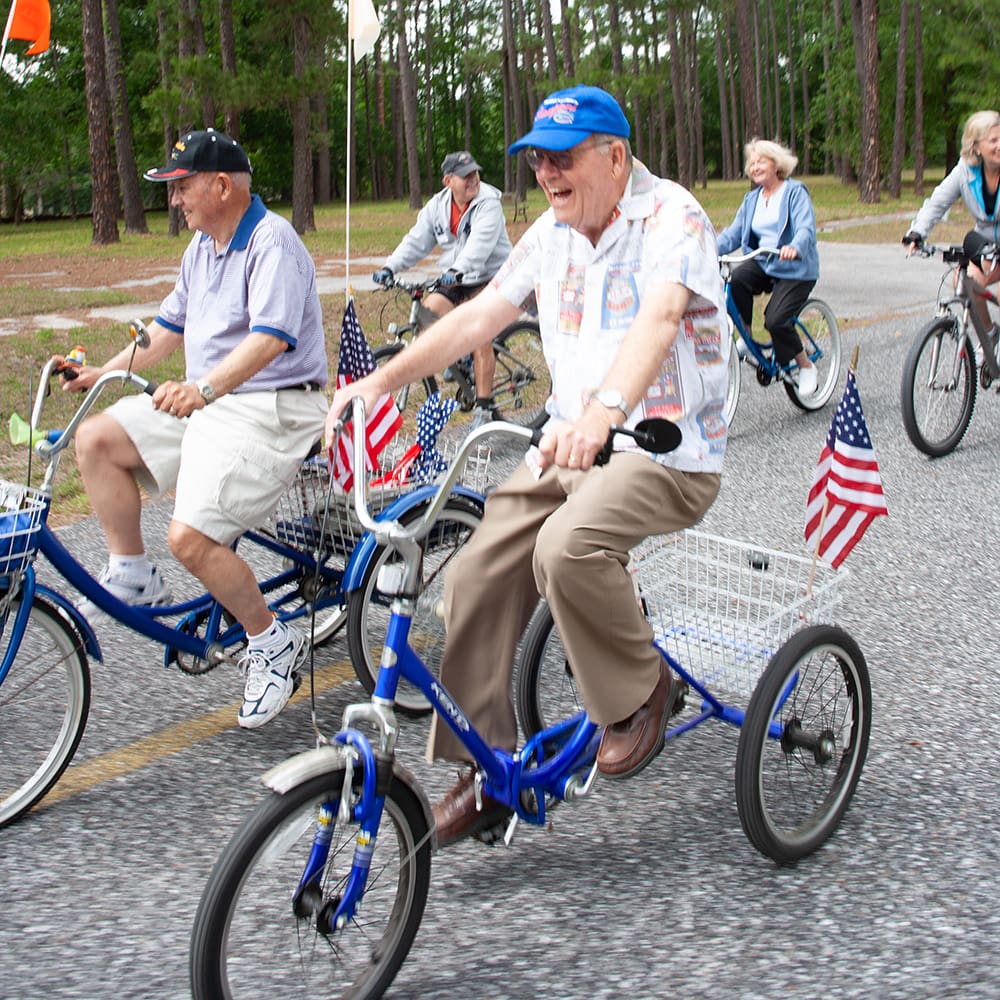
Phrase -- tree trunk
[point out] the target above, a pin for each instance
(865, 21)
(104, 204)
(677, 86)
(227, 54)
(918, 101)
(895, 184)
(726, 138)
(303, 218)
(128, 173)
(566, 35)
(753, 124)
(548, 34)
(408, 99)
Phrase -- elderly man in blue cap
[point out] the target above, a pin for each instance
(630, 302)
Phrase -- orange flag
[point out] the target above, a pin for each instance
(30, 21)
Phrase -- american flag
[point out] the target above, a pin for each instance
(431, 418)
(355, 362)
(846, 494)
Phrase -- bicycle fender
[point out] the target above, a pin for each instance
(297, 770)
(83, 628)
(363, 551)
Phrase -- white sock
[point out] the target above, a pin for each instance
(133, 569)
(272, 638)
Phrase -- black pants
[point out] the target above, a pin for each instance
(788, 296)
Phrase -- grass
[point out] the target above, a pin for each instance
(58, 265)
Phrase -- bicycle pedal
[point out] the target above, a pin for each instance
(496, 833)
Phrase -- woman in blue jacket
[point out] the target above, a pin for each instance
(777, 214)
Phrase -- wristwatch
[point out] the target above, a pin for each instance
(612, 399)
(207, 390)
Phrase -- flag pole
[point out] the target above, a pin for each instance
(826, 500)
(350, 140)
(6, 31)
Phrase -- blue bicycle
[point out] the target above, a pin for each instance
(820, 335)
(322, 888)
(314, 563)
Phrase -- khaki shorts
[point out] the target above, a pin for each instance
(229, 462)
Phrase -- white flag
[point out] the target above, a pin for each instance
(363, 26)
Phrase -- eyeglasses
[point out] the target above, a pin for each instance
(561, 159)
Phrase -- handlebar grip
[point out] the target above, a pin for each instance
(150, 387)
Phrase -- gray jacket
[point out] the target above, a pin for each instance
(963, 182)
(478, 250)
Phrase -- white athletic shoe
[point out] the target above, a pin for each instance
(808, 381)
(269, 680)
(154, 591)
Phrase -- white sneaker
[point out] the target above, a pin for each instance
(808, 381)
(269, 680)
(154, 591)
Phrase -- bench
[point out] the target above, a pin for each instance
(517, 205)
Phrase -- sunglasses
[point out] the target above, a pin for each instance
(561, 159)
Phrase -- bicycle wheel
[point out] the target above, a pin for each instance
(44, 701)
(938, 388)
(522, 382)
(817, 328)
(546, 691)
(733, 385)
(247, 939)
(368, 609)
(803, 743)
(410, 397)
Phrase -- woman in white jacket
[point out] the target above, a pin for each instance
(976, 180)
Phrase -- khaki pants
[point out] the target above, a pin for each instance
(566, 536)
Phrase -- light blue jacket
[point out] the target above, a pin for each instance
(798, 229)
(478, 250)
(965, 182)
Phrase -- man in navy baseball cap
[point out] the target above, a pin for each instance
(202, 152)
(567, 117)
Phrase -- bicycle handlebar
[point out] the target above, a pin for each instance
(417, 289)
(739, 258)
(654, 435)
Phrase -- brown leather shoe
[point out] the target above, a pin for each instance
(456, 816)
(628, 746)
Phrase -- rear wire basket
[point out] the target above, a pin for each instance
(722, 608)
(21, 510)
(310, 501)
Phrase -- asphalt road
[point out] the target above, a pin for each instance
(649, 887)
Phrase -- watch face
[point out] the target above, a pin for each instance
(207, 392)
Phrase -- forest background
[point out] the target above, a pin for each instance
(860, 89)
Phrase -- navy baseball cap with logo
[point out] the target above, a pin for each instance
(201, 152)
(462, 163)
(567, 117)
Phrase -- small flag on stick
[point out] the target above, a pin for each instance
(29, 21)
(356, 361)
(846, 493)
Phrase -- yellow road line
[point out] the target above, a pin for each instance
(173, 739)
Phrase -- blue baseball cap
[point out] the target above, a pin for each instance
(564, 119)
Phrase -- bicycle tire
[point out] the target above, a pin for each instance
(936, 414)
(734, 379)
(546, 690)
(44, 704)
(248, 942)
(409, 398)
(522, 382)
(368, 610)
(792, 791)
(817, 327)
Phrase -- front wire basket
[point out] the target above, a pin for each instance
(310, 502)
(21, 509)
(722, 608)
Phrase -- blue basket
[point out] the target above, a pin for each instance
(20, 519)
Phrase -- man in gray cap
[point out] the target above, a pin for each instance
(465, 219)
(228, 437)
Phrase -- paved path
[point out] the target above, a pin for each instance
(648, 888)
